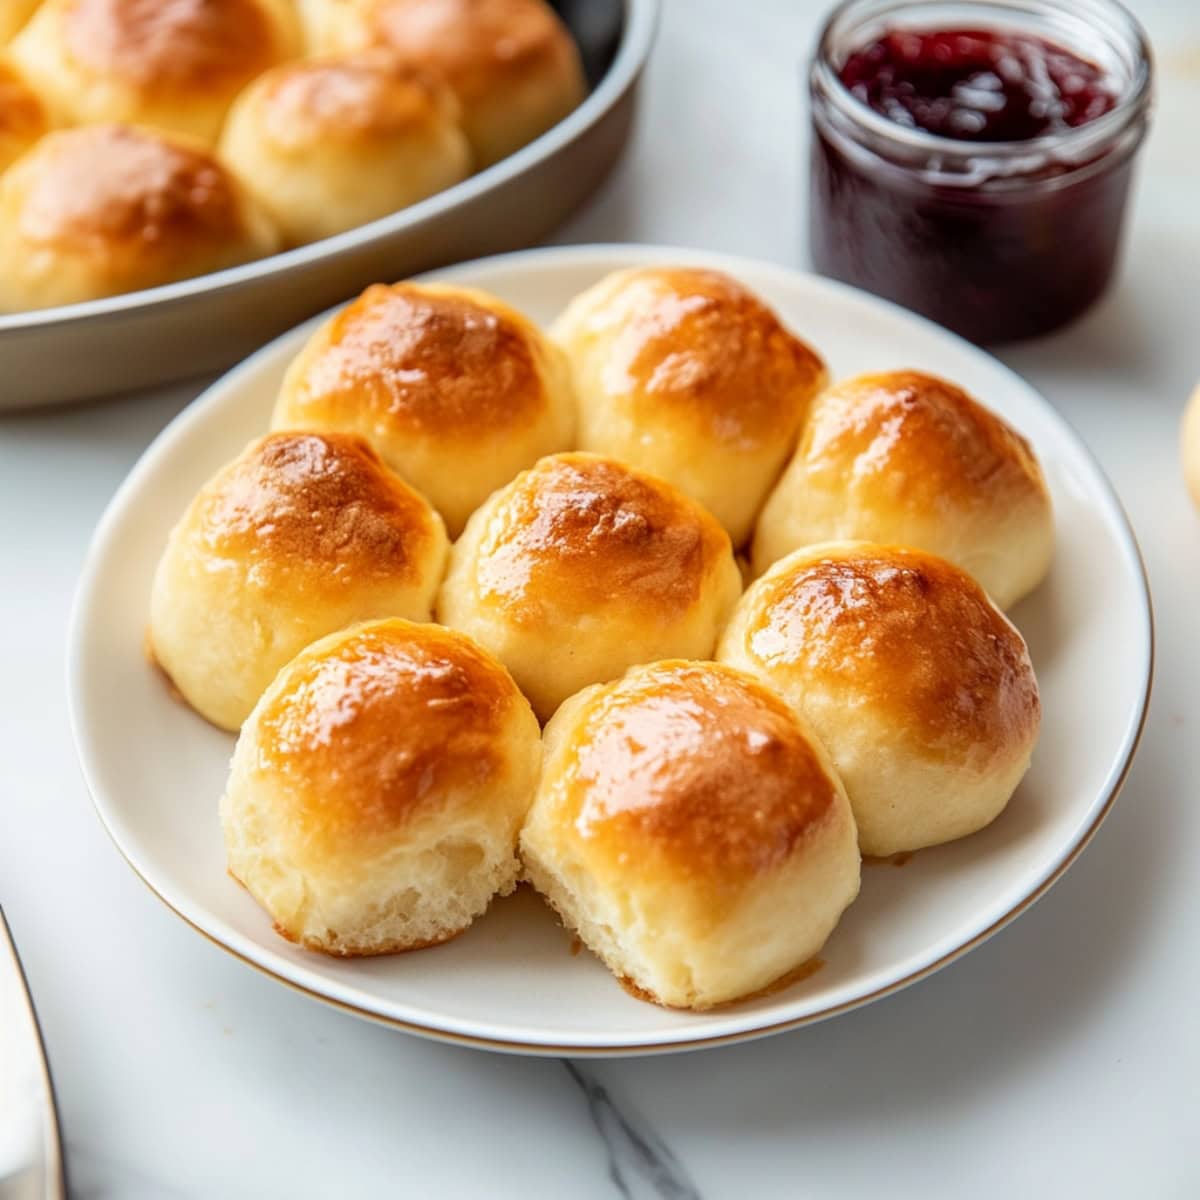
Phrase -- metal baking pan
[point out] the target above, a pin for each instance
(197, 326)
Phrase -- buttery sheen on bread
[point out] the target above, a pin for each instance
(511, 63)
(378, 788)
(104, 209)
(24, 117)
(301, 535)
(908, 458)
(13, 15)
(582, 567)
(457, 391)
(684, 373)
(175, 65)
(692, 832)
(329, 144)
(919, 687)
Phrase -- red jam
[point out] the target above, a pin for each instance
(991, 195)
(976, 85)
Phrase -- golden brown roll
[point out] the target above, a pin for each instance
(1190, 446)
(908, 458)
(457, 391)
(174, 65)
(511, 63)
(692, 832)
(301, 535)
(105, 209)
(13, 15)
(329, 144)
(684, 373)
(23, 116)
(378, 788)
(582, 567)
(920, 688)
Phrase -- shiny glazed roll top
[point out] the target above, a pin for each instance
(175, 65)
(105, 209)
(908, 458)
(583, 566)
(917, 684)
(684, 373)
(511, 63)
(330, 144)
(692, 831)
(299, 536)
(378, 788)
(455, 389)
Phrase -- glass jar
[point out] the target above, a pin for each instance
(995, 240)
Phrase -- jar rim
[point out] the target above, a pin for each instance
(1132, 103)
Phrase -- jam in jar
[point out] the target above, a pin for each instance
(972, 159)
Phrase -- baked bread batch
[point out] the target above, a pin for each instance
(715, 757)
(143, 143)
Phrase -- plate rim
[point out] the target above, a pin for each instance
(632, 53)
(676, 1041)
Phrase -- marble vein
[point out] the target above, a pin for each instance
(640, 1164)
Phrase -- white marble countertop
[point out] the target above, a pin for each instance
(1061, 1058)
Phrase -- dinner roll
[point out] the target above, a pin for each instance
(109, 208)
(582, 567)
(300, 535)
(378, 787)
(920, 688)
(457, 391)
(23, 116)
(692, 831)
(683, 372)
(175, 65)
(906, 457)
(511, 63)
(13, 15)
(1190, 439)
(329, 144)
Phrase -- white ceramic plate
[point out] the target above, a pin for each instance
(156, 770)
